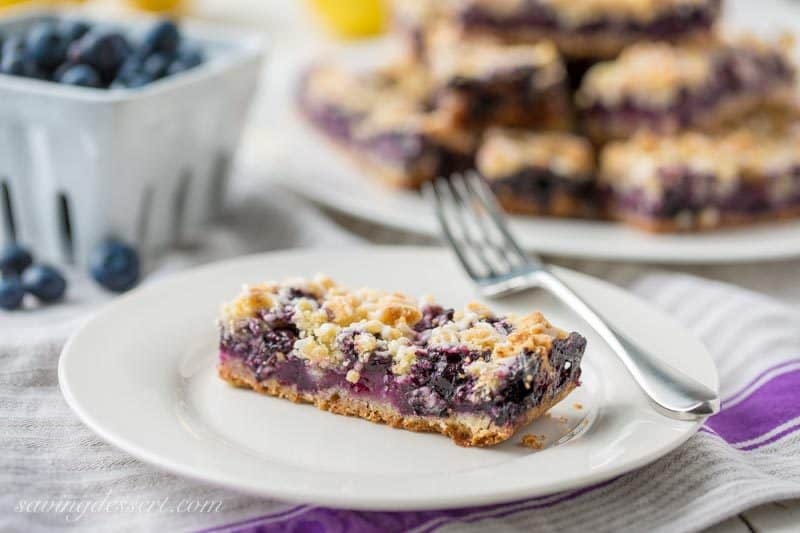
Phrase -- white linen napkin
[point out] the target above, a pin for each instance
(56, 474)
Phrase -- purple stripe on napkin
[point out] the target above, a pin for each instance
(325, 520)
(765, 409)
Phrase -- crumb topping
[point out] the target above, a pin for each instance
(389, 101)
(334, 323)
(579, 12)
(656, 74)
(452, 57)
(651, 73)
(506, 152)
(418, 13)
(730, 158)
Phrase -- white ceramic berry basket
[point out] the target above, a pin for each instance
(146, 165)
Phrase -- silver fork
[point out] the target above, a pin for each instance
(475, 228)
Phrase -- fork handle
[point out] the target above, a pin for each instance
(672, 392)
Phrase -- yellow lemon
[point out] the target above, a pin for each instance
(353, 18)
(157, 5)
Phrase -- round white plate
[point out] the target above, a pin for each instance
(142, 375)
(308, 165)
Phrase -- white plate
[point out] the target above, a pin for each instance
(141, 374)
(309, 166)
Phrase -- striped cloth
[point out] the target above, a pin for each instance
(746, 455)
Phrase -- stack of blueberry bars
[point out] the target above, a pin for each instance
(471, 375)
(605, 109)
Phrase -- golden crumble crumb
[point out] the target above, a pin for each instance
(577, 405)
(534, 442)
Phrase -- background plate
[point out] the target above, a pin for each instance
(310, 166)
(141, 374)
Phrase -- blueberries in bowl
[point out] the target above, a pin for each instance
(163, 37)
(188, 57)
(72, 30)
(103, 50)
(81, 75)
(13, 57)
(12, 292)
(115, 266)
(45, 46)
(74, 52)
(44, 282)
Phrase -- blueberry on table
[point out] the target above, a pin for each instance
(45, 46)
(11, 293)
(14, 259)
(115, 266)
(44, 282)
(103, 50)
(163, 37)
(72, 30)
(82, 76)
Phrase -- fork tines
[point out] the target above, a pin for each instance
(475, 226)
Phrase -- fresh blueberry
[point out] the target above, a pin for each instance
(103, 50)
(31, 69)
(115, 266)
(131, 74)
(13, 57)
(61, 69)
(72, 30)
(14, 259)
(131, 66)
(81, 75)
(14, 45)
(45, 46)
(163, 37)
(134, 81)
(44, 282)
(11, 293)
(191, 55)
(14, 65)
(155, 66)
(188, 57)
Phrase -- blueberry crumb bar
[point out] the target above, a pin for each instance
(696, 181)
(666, 89)
(483, 81)
(540, 173)
(384, 121)
(591, 28)
(471, 375)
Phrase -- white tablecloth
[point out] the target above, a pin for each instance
(49, 457)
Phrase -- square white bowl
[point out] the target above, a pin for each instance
(145, 165)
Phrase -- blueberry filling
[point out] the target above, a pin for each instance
(408, 151)
(540, 185)
(736, 72)
(437, 383)
(538, 15)
(512, 93)
(686, 191)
